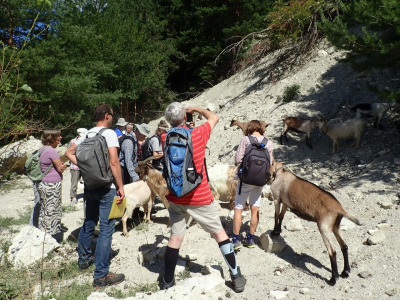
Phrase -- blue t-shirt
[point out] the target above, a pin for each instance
(119, 132)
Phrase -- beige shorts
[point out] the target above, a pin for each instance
(207, 216)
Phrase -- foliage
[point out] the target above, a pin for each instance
(371, 31)
(290, 92)
(367, 28)
(184, 274)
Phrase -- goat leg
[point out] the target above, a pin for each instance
(308, 142)
(123, 220)
(278, 219)
(334, 268)
(346, 269)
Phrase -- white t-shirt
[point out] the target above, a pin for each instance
(109, 134)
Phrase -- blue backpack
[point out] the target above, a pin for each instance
(179, 169)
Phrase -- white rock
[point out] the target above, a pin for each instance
(294, 225)
(278, 294)
(304, 291)
(27, 246)
(275, 245)
(377, 238)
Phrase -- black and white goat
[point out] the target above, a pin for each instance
(311, 203)
(376, 110)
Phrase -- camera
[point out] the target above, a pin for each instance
(189, 119)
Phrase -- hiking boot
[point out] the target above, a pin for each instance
(237, 245)
(165, 286)
(109, 279)
(249, 243)
(86, 265)
(238, 281)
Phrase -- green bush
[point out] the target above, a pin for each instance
(290, 92)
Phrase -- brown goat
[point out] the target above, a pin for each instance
(154, 180)
(300, 126)
(243, 126)
(311, 203)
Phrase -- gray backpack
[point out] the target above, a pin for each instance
(94, 162)
(255, 165)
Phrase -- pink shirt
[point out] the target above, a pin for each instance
(46, 159)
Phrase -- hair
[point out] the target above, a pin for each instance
(130, 125)
(175, 114)
(100, 112)
(50, 136)
(253, 126)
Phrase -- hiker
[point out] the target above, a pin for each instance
(198, 203)
(120, 127)
(74, 169)
(155, 145)
(243, 191)
(128, 157)
(142, 131)
(129, 130)
(163, 129)
(47, 213)
(99, 201)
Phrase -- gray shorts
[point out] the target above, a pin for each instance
(251, 192)
(207, 216)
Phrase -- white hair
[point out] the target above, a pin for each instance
(175, 114)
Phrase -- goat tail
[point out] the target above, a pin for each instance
(352, 218)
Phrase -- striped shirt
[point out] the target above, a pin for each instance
(202, 194)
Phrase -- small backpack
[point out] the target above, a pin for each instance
(94, 162)
(32, 166)
(179, 170)
(255, 165)
(127, 137)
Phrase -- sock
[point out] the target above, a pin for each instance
(235, 238)
(249, 236)
(171, 258)
(226, 248)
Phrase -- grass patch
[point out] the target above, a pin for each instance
(9, 186)
(290, 92)
(69, 208)
(24, 218)
(58, 281)
(184, 274)
(144, 226)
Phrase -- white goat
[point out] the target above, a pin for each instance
(376, 110)
(137, 194)
(222, 183)
(346, 130)
(311, 203)
(298, 125)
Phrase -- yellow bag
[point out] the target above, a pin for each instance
(117, 210)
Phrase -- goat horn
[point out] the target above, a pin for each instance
(143, 162)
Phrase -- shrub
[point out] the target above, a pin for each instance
(290, 92)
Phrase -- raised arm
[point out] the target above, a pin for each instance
(211, 117)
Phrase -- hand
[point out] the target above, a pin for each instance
(121, 194)
(190, 109)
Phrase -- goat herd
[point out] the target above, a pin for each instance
(304, 199)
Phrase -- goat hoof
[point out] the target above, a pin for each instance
(332, 281)
(345, 274)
